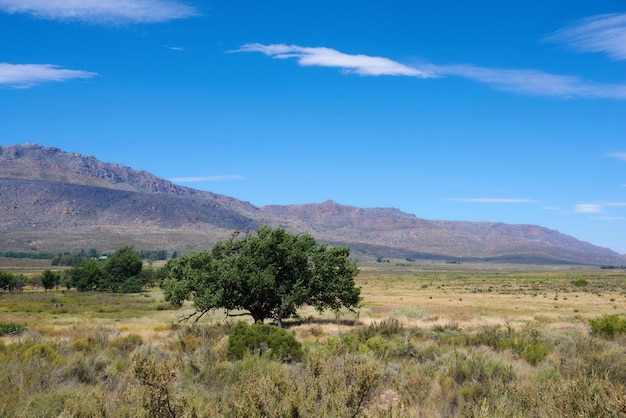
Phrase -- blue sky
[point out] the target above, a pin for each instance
(477, 111)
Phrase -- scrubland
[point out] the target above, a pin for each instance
(430, 340)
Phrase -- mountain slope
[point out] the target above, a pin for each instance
(51, 200)
(481, 240)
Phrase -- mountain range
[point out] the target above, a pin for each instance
(56, 201)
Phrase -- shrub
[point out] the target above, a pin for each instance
(534, 353)
(608, 326)
(11, 328)
(156, 372)
(480, 367)
(450, 326)
(262, 338)
(127, 343)
(132, 285)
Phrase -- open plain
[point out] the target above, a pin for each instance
(430, 339)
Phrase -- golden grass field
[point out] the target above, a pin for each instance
(471, 295)
(462, 345)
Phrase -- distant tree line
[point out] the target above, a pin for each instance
(32, 255)
(154, 254)
(68, 259)
(121, 271)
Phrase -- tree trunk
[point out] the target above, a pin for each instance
(257, 317)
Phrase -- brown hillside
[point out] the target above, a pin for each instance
(51, 200)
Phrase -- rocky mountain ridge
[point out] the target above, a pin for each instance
(51, 200)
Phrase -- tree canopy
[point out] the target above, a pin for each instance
(120, 272)
(268, 275)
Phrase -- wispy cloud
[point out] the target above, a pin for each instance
(533, 82)
(199, 179)
(327, 57)
(101, 11)
(618, 155)
(602, 33)
(524, 81)
(596, 207)
(29, 75)
(588, 208)
(492, 200)
(609, 218)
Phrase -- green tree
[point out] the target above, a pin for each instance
(12, 282)
(89, 275)
(50, 279)
(268, 275)
(122, 266)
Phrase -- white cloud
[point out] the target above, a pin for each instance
(588, 208)
(199, 179)
(327, 57)
(534, 82)
(101, 11)
(602, 33)
(618, 155)
(493, 200)
(609, 218)
(529, 82)
(598, 207)
(29, 75)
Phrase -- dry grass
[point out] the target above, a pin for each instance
(475, 297)
(433, 340)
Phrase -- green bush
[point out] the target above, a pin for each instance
(534, 353)
(262, 338)
(132, 285)
(11, 329)
(608, 326)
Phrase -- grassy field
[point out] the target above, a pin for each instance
(431, 339)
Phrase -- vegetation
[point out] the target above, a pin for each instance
(11, 328)
(428, 341)
(268, 275)
(11, 282)
(608, 326)
(50, 279)
(67, 259)
(32, 255)
(263, 339)
(121, 272)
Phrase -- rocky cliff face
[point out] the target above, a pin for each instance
(51, 200)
